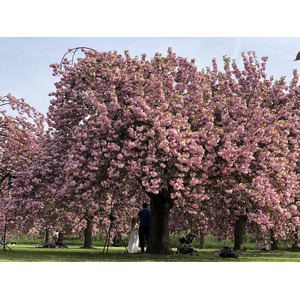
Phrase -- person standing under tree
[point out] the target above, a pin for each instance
(144, 218)
(55, 236)
(133, 244)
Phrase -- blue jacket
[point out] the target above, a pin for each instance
(144, 215)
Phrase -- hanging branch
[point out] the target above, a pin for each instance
(73, 51)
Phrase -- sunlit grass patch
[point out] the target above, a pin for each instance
(28, 253)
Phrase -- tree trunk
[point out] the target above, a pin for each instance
(295, 242)
(61, 237)
(240, 233)
(202, 235)
(159, 238)
(47, 236)
(88, 241)
(274, 242)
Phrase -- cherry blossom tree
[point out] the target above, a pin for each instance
(252, 156)
(122, 119)
(253, 175)
(209, 150)
(21, 126)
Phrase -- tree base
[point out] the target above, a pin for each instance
(240, 233)
(159, 236)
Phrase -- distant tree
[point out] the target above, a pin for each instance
(21, 127)
(253, 177)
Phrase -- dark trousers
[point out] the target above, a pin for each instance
(143, 235)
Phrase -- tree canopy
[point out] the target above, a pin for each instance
(207, 148)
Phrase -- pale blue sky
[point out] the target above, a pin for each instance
(25, 71)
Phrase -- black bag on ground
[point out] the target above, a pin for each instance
(227, 252)
(186, 250)
(232, 254)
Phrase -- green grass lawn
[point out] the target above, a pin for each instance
(28, 253)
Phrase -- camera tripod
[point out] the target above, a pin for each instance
(4, 245)
(112, 225)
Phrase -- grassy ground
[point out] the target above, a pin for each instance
(28, 253)
(210, 242)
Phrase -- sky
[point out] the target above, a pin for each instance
(34, 34)
(25, 71)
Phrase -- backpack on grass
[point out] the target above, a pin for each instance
(228, 252)
(186, 250)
